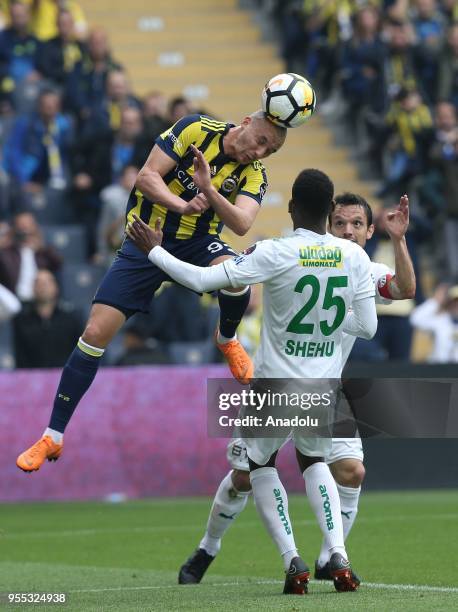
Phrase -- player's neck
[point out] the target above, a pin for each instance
(316, 228)
(228, 141)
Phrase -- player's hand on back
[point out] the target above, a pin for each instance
(202, 176)
(397, 220)
(144, 236)
(198, 204)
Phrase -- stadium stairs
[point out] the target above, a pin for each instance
(213, 52)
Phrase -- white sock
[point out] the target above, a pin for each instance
(56, 436)
(349, 499)
(272, 505)
(227, 505)
(220, 339)
(324, 499)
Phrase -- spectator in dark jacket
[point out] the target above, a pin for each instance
(45, 332)
(36, 153)
(105, 114)
(448, 68)
(87, 82)
(362, 63)
(99, 162)
(21, 260)
(59, 55)
(18, 48)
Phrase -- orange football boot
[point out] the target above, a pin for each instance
(33, 458)
(238, 360)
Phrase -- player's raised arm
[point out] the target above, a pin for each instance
(402, 285)
(238, 218)
(151, 184)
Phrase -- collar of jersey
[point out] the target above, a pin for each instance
(301, 231)
(223, 157)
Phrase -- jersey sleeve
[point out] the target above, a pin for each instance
(254, 182)
(176, 140)
(364, 285)
(255, 265)
(382, 275)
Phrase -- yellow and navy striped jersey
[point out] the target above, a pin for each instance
(229, 177)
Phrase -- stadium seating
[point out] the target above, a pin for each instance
(68, 240)
(79, 283)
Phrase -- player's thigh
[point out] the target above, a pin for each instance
(130, 283)
(103, 324)
(345, 448)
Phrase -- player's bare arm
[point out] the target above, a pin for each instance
(402, 285)
(238, 217)
(151, 184)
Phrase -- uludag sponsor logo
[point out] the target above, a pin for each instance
(320, 256)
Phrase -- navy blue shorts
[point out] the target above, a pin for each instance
(130, 283)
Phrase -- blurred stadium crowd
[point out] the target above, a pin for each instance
(73, 135)
(387, 72)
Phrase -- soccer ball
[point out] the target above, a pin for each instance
(288, 100)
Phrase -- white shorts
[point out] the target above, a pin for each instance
(345, 448)
(237, 456)
(261, 449)
(342, 448)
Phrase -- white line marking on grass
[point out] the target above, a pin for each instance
(241, 524)
(372, 585)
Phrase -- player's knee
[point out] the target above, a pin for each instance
(241, 480)
(348, 472)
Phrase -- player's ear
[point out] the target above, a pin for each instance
(370, 231)
(246, 121)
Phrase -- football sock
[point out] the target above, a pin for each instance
(227, 505)
(272, 505)
(349, 499)
(232, 308)
(324, 499)
(56, 436)
(77, 376)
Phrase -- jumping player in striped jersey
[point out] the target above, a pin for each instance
(191, 215)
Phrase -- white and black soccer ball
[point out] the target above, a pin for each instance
(288, 99)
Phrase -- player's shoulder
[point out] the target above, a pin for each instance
(209, 124)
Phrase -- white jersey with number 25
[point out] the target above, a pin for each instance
(310, 282)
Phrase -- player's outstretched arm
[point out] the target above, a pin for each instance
(193, 277)
(403, 284)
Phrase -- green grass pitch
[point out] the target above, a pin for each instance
(126, 556)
